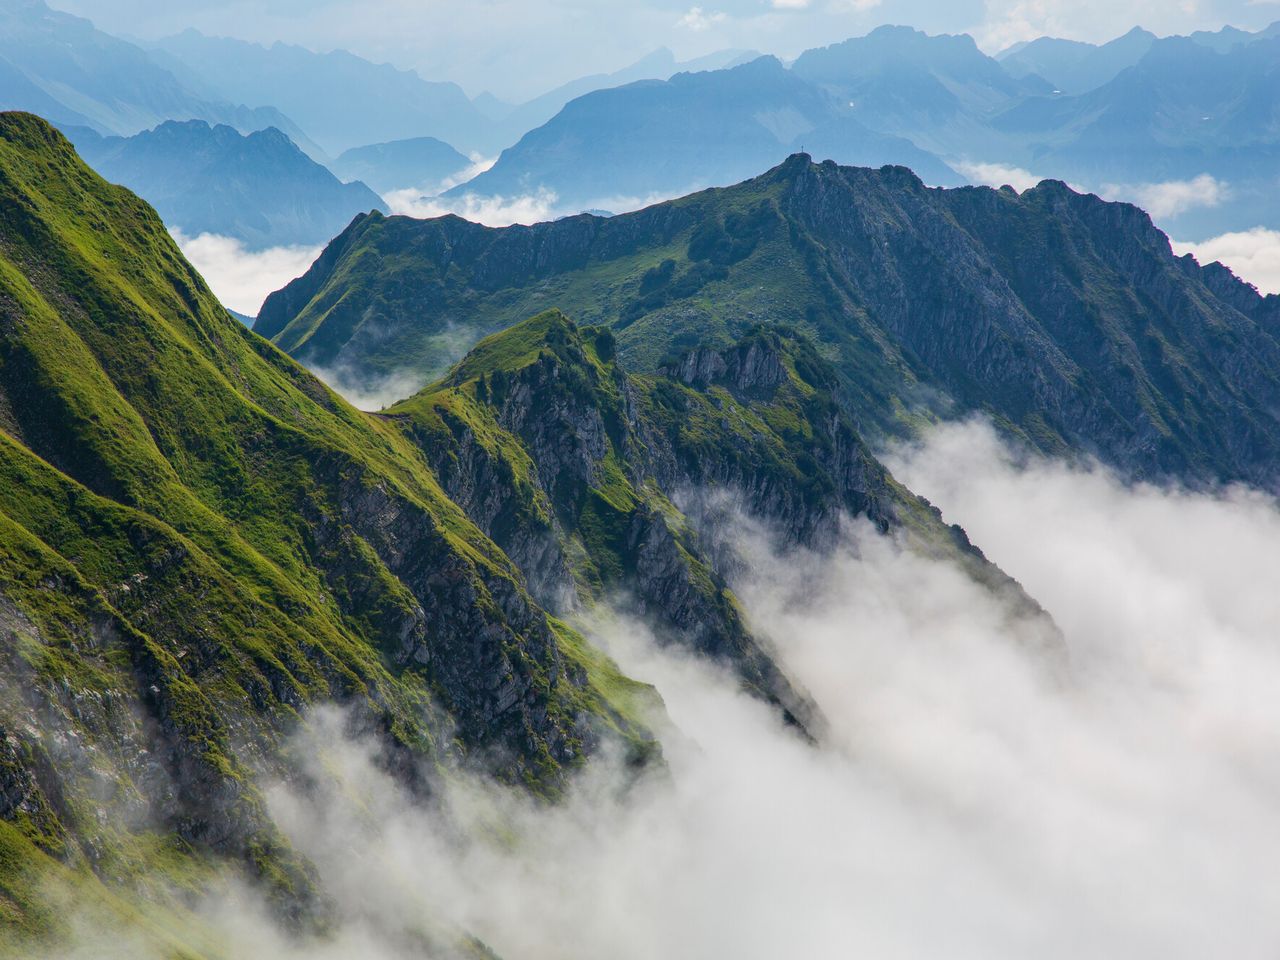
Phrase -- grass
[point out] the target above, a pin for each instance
(195, 531)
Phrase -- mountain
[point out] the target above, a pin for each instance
(60, 67)
(341, 100)
(1074, 67)
(661, 138)
(516, 121)
(1183, 110)
(934, 90)
(199, 543)
(1228, 37)
(260, 189)
(1065, 318)
(423, 161)
(598, 482)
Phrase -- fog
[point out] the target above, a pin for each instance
(1253, 255)
(240, 278)
(490, 211)
(971, 800)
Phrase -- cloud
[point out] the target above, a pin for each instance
(998, 175)
(698, 19)
(371, 394)
(1253, 255)
(491, 211)
(1172, 197)
(973, 800)
(242, 279)
(414, 192)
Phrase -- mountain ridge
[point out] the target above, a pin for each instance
(932, 303)
(261, 189)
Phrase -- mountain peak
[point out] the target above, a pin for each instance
(28, 131)
(510, 350)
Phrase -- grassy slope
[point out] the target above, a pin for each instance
(506, 430)
(198, 532)
(1064, 318)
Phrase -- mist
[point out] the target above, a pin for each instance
(972, 798)
(490, 211)
(1253, 255)
(242, 279)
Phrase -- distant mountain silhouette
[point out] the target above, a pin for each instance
(60, 67)
(663, 138)
(260, 189)
(401, 164)
(340, 99)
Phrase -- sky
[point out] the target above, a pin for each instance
(521, 48)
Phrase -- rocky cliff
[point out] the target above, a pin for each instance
(198, 542)
(1064, 318)
(601, 484)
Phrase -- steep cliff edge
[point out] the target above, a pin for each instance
(601, 484)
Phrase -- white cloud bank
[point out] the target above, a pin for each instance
(998, 175)
(971, 801)
(240, 278)
(1253, 255)
(491, 211)
(1170, 198)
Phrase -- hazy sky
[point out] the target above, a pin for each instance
(519, 48)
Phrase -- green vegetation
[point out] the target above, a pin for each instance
(571, 464)
(197, 541)
(1065, 319)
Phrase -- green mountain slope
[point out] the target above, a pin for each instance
(197, 541)
(1066, 319)
(603, 484)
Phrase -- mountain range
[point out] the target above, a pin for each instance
(341, 100)
(1183, 110)
(1196, 115)
(662, 138)
(200, 543)
(61, 67)
(259, 189)
(1066, 319)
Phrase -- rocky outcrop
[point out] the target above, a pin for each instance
(635, 484)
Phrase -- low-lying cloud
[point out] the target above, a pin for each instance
(1170, 198)
(998, 175)
(1253, 255)
(370, 393)
(972, 800)
(240, 278)
(491, 211)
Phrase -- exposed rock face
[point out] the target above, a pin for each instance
(199, 543)
(1064, 318)
(633, 483)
